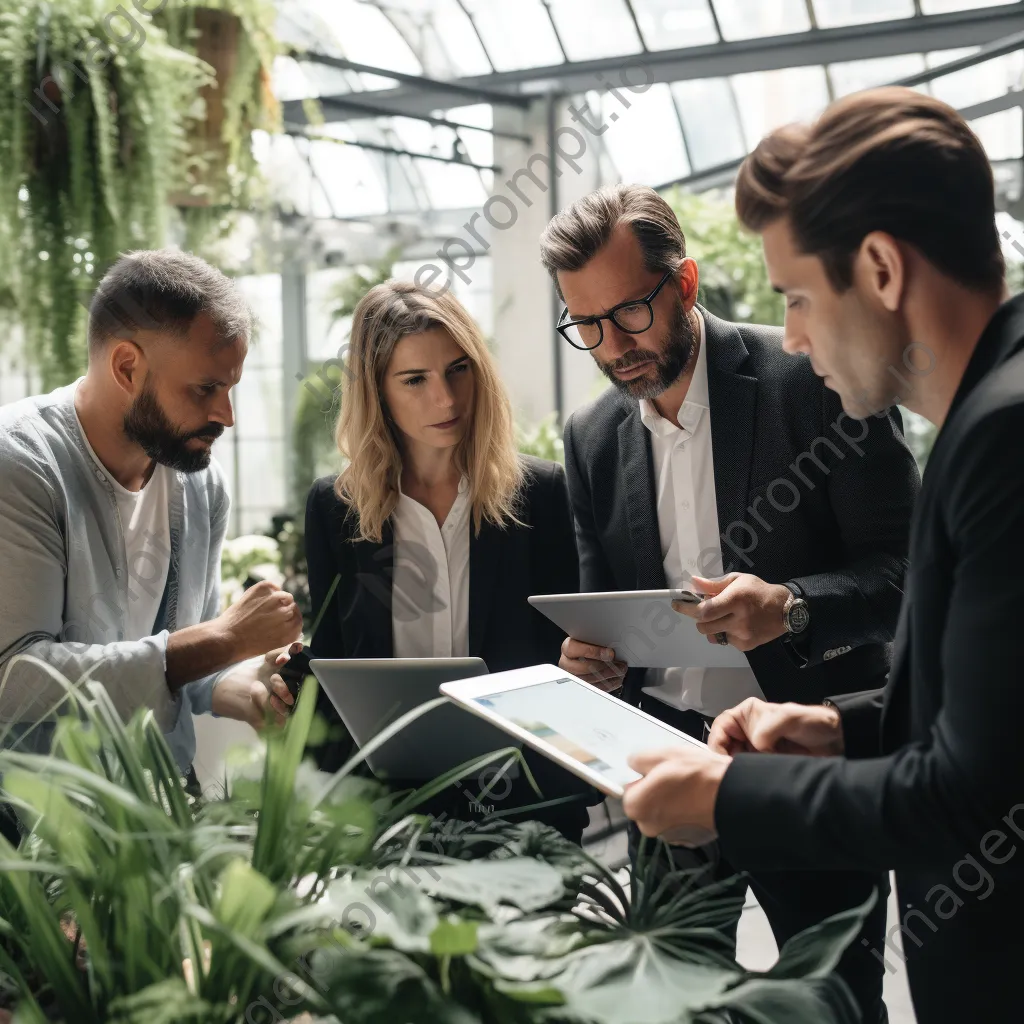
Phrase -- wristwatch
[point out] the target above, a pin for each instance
(796, 616)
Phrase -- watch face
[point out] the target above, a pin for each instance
(799, 616)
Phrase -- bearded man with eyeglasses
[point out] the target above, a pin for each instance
(719, 464)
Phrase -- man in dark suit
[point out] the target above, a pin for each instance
(721, 464)
(878, 226)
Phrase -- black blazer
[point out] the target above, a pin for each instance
(804, 494)
(505, 567)
(935, 784)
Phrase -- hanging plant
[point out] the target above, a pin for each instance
(236, 40)
(102, 121)
(93, 114)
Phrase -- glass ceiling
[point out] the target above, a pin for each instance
(403, 165)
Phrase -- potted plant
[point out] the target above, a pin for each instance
(298, 892)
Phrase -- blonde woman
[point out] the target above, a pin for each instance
(438, 529)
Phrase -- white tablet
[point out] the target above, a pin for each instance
(577, 725)
(640, 626)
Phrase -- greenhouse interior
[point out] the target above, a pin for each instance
(437, 234)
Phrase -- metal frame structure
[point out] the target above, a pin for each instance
(418, 95)
(722, 174)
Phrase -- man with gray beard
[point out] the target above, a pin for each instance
(719, 464)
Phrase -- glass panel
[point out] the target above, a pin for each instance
(258, 405)
(745, 19)
(982, 82)
(645, 141)
(832, 13)
(595, 28)
(262, 476)
(451, 187)
(768, 99)
(942, 6)
(672, 24)
(349, 175)
(363, 31)
(854, 75)
(479, 145)
(709, 117)
(263, 293)
(442, 34)
(517, 33)
(1002, 134)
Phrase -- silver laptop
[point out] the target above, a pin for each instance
(369, 694)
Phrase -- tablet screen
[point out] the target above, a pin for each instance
(586, 726)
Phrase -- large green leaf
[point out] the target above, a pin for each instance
(815, 952)
(521, 882)
(791, 1001)
(382, 986)
(382, 908)
(630, 979)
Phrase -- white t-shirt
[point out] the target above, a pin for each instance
(146, 525)
(430, 586)
(691, 545)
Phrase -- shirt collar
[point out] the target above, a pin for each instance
(696, 401)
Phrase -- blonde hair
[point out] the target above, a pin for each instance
(486, 455)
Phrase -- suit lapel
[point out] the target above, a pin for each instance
(484, 569)
(638, 482)
(375, 569)
(733, 400)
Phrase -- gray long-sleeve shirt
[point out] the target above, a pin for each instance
(64, 580)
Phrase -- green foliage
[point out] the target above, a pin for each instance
(226, 175)
(96, 125)
(734, 283)
(544, 440)
(298, 892)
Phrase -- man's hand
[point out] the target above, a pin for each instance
(592, 664)
(755, 725)
(265, 617)
(254, 691)
(743, 607)
(676, 797)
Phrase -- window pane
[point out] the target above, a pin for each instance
(768, 99)
(517, 33)
(853, 75)
(672, 24)
(745, 19)
(942, 6)
(1001, 134)
(443, 35)
(644, 141)
(595, 28)
(362, 29)
(451, 187)
(832, 13)
(710, 119)
(982, 82)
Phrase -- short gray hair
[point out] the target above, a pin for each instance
(165, 290)
(573, 237)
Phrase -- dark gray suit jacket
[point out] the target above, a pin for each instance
(933, 786)
(804, 493)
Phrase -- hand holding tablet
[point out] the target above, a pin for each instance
(586, 731)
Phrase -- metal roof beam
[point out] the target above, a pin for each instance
(714, 60)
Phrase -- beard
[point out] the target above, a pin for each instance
(669, 364)
(148, 426)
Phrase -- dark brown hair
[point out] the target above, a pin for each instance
(888, 159)
(165, 290)
(573, 237)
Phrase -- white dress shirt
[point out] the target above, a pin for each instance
(430, 588)
(684, 481)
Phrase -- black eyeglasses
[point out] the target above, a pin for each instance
(633, 317)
